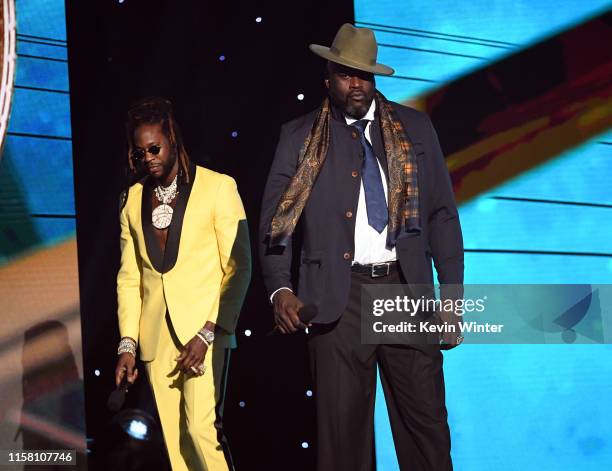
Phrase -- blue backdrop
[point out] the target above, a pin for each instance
(36, 173)
(513, 406)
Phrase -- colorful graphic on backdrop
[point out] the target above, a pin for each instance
(520, 95)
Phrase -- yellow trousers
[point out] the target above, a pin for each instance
(190, 407)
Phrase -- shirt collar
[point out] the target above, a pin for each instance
(368, 116)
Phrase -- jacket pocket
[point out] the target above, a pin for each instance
(311, 258)
(310, 277)
(419, 149)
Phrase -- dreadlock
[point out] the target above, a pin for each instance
(153, 110)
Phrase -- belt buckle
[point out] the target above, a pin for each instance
(376, 274)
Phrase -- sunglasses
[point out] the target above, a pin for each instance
(139, 154)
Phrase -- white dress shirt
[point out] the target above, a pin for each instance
(370, 246)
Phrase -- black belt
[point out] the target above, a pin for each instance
(376, 270)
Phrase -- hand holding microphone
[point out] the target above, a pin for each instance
(125, 375)
(117, 397)
(290, 314)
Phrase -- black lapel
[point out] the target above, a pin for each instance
(174, 231)
(153, 249)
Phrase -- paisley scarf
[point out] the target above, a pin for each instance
(403, 192)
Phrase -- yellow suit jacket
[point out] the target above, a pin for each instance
(202, 275)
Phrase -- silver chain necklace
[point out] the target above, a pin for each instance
(162, 215)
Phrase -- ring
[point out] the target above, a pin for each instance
(199, 370)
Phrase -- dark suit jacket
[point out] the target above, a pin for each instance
(329, 228)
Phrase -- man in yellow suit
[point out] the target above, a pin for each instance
(185, 269)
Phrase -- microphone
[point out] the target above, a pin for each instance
(306, 314)
(117, 397)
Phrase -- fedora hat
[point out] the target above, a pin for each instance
(355, 48)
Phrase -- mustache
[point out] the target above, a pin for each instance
(357, 94)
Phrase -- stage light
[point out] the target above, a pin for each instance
(121, 1)
(132, 434)
(241, 404)
(304, 444)
(137, 429)
(258, 19)
(136, 423)
(234, 134)
(247, 333)
(97, 372)
(300, 96)
(309, 393)
(221, 58)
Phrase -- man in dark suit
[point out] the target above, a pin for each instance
(367, 181)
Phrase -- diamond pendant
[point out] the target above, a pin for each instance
(162, 216)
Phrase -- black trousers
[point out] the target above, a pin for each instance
(344, 374)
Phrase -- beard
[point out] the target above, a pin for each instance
(167, 167)
(355, 111)
(350, 108)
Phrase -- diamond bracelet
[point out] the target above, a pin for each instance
(127, 345)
